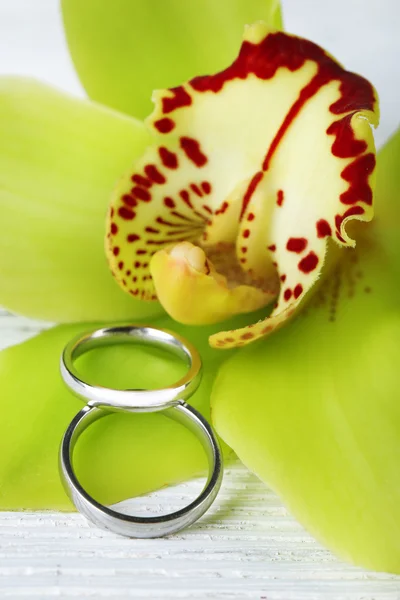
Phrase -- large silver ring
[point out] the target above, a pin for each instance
(101, 400)
(131, 400)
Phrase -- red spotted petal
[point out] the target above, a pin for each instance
(275, 153)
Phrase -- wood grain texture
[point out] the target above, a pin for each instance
(246, 547)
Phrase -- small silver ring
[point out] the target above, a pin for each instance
(131, 400)
(142, 527)
(102, 401)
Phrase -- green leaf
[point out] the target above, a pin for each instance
(388, 205)
(315, 410)
(59, 161)
(125, 49)
(118, 457)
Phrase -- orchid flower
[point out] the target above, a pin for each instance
(225, 208)
(239, 192)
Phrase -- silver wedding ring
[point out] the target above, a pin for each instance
(100, 401)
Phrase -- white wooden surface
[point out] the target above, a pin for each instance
(246, 547)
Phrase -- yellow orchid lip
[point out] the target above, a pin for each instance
(194, 292)
(271, 157)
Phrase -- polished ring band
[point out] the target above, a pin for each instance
(103, 400)
(131, 400)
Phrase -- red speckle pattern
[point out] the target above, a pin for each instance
(132, 237)
(195, 188)
(246, 233)
(126, 214)
(280, 197)
(181, 217)
(168, 159)
(154, 174)
(345, 144)
(141, 181)
(165, 125)
(309, 263)
(247, 336)
(357, 174)
(297, 245)
(129, 200)
(191, 148)
(323, 228)
(179, 98)
(169, 202)
(272, 247)
(298, 290)
(206, 187)
(141, 194)
(287, 294)
(267, 329)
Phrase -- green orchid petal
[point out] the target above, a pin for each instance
(388, 205)
(37, 408)
(59, 159)
(125, 49)
(314, 411)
